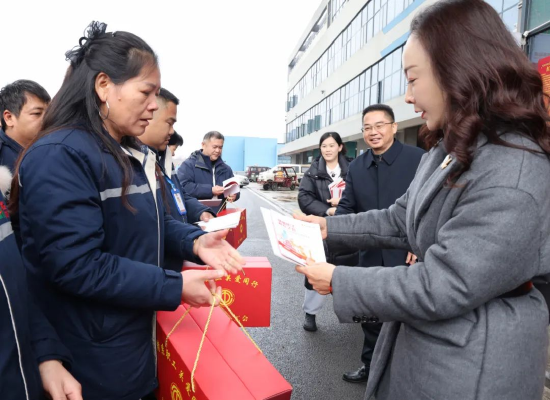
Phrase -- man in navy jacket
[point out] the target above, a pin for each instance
(375, 180)
(156, 137)
(203, 173)
(22, 106)
(32, 358)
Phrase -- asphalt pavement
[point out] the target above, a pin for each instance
(313, 363)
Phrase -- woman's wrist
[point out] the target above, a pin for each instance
(196, 246)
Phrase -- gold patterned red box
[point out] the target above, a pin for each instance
(236, 236)
(229, 366)
(248, 294)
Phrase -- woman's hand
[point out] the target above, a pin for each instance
(214, 251)
(331, 211)
(411, 258)
(315, 220)
(194, 291)
(319, 275)
(58, 383)
(334, 201)
(206, 216)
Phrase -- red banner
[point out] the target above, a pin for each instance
(544, 69)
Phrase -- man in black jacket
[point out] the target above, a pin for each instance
(375, 180)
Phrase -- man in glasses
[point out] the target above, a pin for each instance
(375, 180)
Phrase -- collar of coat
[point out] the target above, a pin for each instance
(200, 163)
(318, 168)
(389, 156)
(133, 149)
(8, 141)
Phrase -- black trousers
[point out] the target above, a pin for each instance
(371, 333)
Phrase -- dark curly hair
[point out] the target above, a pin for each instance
(489, 84)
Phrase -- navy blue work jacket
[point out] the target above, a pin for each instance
(9, 150)
(198, 176)
(93, 263)
(26, 337)
(193, 207)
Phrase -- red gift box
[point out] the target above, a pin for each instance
(229, 367)
(248, 294)
(236, 236)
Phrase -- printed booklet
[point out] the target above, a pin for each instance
(293, 240)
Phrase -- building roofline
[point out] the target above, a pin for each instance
(309, 27)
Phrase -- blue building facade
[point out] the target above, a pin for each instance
(241, 151)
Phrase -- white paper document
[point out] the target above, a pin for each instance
(230, 187)
(293, 240)
(217, 224)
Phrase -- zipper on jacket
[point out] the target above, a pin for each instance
(143, 165)
(213, 176)
(16, 338)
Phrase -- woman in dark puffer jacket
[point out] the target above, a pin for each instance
(314, 198)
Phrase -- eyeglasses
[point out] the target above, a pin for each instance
(378, 127)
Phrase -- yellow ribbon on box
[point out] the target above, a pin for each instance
(223, 303)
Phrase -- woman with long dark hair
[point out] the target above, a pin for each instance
(92, 221)
(314, 198)
(464, 322)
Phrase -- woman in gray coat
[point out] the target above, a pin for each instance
(464, 322)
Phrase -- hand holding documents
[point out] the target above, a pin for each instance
(230, 187)
(217, 224)
(293, 240)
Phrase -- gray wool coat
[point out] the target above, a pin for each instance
(447, 335)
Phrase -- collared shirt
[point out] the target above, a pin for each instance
(334, 173)
(9, 150)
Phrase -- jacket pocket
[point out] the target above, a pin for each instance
(123, 321)
(94, 321)
(455, 331)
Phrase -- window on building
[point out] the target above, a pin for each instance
(538, 13)
(383, 81)
(374, 16)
